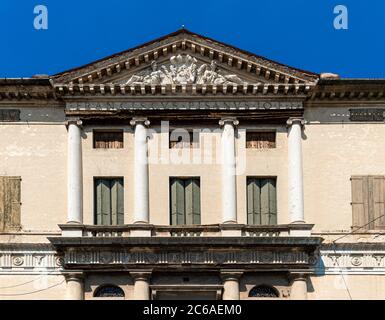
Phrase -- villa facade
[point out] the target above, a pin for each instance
(186, 168)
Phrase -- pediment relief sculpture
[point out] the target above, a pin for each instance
(184, 69)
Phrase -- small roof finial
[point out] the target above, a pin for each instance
(183, 26)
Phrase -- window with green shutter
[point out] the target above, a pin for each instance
(185, 206)
(261, 201)
(109, 201)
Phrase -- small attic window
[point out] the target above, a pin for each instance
(260, 140)
(108, 139)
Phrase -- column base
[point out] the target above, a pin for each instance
(141, 229)
(72, 229)
(300, 229)
(231, 229)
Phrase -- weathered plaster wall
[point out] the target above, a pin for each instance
(333, 151)
(32, 287)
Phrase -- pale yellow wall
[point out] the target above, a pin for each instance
(107, 163)
(32, 287)
(36, 151)
(333, 151)
(355, 287)
(119, 162)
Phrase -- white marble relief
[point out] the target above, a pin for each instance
(184, 69)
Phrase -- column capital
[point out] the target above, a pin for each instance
(74, 276)
(293, 120)
(231, 274)
(233, 121)
(77, 122)
(138, 120)
(298, 276)
(143, 275)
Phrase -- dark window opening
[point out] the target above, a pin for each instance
(179, 139)
(109, 291)
(108, 139)
(260, 140)
(263, 291)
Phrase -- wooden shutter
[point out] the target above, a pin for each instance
(109, 194)
(108, 139)
(2, 203)
(261, 201)
(260, 140)
(360, 201)
(103, 202)
(177, 202)
(10, 205)
(253, 201)
(378, 202)
(117, 202)
(192, 198)
(272, 202)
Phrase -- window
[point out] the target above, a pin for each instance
(109, 199)
(260, 140)
(263, 291)
(183, 139)
(109, 291)
(261, 201)
(368, 202)
(185, 207)
(10, 203)
(108, 139)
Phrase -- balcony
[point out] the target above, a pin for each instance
(212, 230)
(202, 247)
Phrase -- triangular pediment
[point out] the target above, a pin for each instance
(184, 58)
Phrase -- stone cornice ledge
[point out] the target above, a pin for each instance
(211, 242)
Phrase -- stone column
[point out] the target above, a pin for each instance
(141, 285)
(230, 281)
(299, 287)
(75, 173)
(75, 286)
(141, 192)
(295, 175)
(229, 192)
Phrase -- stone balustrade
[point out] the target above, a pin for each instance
(213, 230)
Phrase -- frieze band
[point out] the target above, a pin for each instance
(194, 257)
(185, 105)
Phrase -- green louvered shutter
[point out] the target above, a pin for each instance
(272, 202)
(177, 202)
(192, 197)
(117, 202)
(103, 202)
(253, 201)
(261, 201)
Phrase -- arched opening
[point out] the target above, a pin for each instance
(109, 291)
(263, 291)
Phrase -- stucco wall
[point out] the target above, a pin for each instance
(333, 151)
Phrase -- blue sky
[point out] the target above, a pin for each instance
(299, 33)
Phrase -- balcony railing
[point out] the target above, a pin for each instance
(213, 230)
